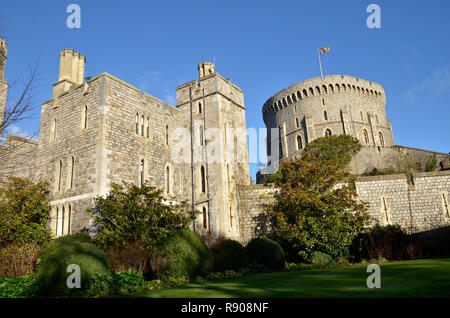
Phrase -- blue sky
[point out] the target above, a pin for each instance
(262, 46)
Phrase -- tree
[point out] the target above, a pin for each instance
(312, 212)
(431, 164)
(338, 148)
(130, 214)
(24, 212)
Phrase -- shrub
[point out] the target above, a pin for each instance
(160, 264)
(266, 252)
(258, 268)
(130, 256)
(18, 260)
(189, 254)
(54, 244)
(431, 163)
(51, 272)
(229, 254)
(17, 286)
(319, 258)
(380, 242)
(125, 282)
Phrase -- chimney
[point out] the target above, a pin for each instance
(71, 71)
(205, 69)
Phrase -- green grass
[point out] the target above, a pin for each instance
(417, 278)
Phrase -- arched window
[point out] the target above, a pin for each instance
(199, 108)
(53, 131)
(289, 100)
(366, 136)
(59, 222)
(59, 175)
(203, 178)
(294, 99)
(311, 91)
(142, 125)
(331, 88)
(148, 127)
(380, 136)
(141, 170)
(284, 102)
(328, 132)
(72, 167)
(167, 179)
(167, 135)
(324, 89)
(137, 124)
(205, 218)
(338, 88)
(69, 220)
(325, 115)
(318, 90)
(84, 118)
(200, 134)
(305, 93)
(299, 143)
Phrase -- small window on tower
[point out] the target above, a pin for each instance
(325, 115)
(200, 108)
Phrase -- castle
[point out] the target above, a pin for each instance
(101, 130)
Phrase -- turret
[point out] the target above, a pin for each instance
(205, 69)
(71, 71)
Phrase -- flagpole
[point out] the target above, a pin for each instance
(320, 63)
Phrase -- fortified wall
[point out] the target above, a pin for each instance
(417, 204)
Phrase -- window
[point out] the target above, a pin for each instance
(53, 131)
(325, 115)
(142, 125)
(328, 132)
(167, 179)
(297, 122)
(167, 135)
(385, 210)
(59, 222)
(69, 220)
(141, 177)
(323, 102)
(361, 115)
(200, 134)
(366, 136)
(72, 164)
(299, 143)
(137, 124)
(380, 136)
(280, 143)
(148, 127)
(445, 206)
(203, 178)
(205, 218)
(84, 118)
(59, 175)
(199, 108)
(231, 218)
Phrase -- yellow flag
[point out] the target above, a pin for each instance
(324, 49)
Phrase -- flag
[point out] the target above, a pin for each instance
(324, 49)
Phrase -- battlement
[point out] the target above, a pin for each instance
(330, 84)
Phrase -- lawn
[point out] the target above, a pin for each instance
(417, 278)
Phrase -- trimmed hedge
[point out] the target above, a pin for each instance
(51, 272)
(266, 252)
(50, 247)
(189, 255)
(229, 255)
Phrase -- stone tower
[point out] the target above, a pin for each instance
(217, 111)
(3, 83)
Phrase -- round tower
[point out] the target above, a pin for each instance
(338, 104)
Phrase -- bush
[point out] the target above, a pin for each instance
(21, 286)
(54, 244)
(18, 260)
(51, 272)
(125, 282)
(188, 253)
(266, 252)
(380, 242)
(229, 254)
(130, 256)
(319, 258)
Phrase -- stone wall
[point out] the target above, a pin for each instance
(417, 205)
(253, 200)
